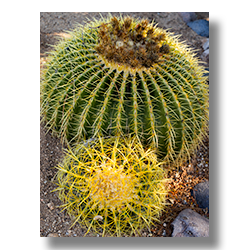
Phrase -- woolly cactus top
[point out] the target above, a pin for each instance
(130, 44)
(112, 188)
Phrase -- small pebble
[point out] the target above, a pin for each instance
(69, 232)
(53, 235)
(164, 234)
(50, 205)
(164, 224)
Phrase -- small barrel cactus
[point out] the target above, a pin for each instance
(112, 186)
(124, 76)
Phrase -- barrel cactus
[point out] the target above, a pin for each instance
(112, 186)
(120, 76)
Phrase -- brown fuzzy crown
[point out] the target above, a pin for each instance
(130, 43)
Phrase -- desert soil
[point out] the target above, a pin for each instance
(53, 222)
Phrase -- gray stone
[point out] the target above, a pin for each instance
(206, 45)
(190, 224)
(201, 194)
(201, 27)
(188, 16)
(205, 56)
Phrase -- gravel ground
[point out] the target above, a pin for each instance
(54, 223)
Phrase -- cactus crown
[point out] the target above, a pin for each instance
(117, 187)
(135, 45)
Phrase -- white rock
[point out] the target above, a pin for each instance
(51, 206)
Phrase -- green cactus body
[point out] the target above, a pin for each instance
(125, 76)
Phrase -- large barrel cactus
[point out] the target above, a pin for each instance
(125, 76)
